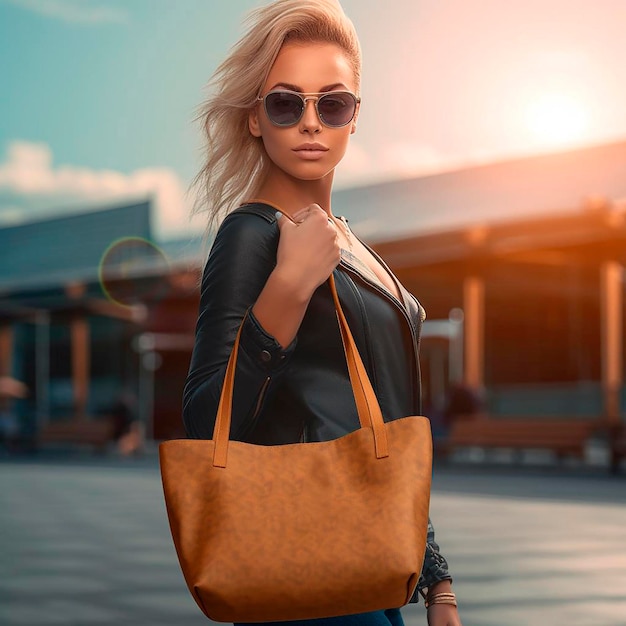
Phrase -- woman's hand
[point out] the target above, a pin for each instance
(308, 250)
(443, 615)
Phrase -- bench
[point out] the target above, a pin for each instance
(95, 432)
(560, 435)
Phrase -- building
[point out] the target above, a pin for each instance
(79, 297)
(518, 264)
(532, 251)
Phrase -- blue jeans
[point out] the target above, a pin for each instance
(390, 617)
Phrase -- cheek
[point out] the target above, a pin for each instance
(271, 136)
(341, 144)
(279, 142)
(273, 143)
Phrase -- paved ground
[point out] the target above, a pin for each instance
(84, 541)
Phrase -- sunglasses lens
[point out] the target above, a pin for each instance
(283, 108)
(336, 109)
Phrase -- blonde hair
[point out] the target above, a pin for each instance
(235, 162)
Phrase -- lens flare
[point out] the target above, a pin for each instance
(132, 270)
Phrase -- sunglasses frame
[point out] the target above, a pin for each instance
(316, 97)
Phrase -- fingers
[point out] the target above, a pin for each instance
(303, 214)
(295, 219)
(284, 221)
(309, 244)
(299, 217)
(317, 207)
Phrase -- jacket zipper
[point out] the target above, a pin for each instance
(414, 330)
(259, 401)
(402, 309)
(366, 329)
(257, 409)
(417, 362)
(303, 435)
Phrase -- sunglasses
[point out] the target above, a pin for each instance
(286, 108)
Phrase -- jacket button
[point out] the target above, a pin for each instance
(266, 357)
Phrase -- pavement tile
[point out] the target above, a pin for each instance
(54, 584)
(91, 537)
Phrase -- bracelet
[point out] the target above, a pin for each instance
(440, 598)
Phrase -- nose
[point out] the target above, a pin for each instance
(310, 121)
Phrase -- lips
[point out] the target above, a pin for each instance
(316, 147)
(310, 150)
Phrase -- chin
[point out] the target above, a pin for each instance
(312, 178)
(310, 174)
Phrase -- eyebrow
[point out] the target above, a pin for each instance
(291, 87)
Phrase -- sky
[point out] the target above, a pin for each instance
(98, 97)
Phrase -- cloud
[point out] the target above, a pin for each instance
(75, 11)
(32, 187)
(11, 215)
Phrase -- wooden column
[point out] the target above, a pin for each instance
(474, 333)
(42, 366)
(80, 349)
(611, 319)
(79, 330)
(6, 349)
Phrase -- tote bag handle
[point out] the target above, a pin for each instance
(370, 415)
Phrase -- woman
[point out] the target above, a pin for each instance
(284, 106)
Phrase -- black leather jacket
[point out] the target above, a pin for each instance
(305, 388)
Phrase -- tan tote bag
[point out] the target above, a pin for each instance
(304, 530)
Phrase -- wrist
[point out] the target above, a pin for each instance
(440, 594)
(280, 308)
(444, 586)
(291, 284)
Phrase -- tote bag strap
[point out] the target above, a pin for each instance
(368, 408)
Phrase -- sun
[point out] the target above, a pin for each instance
(557, 119)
